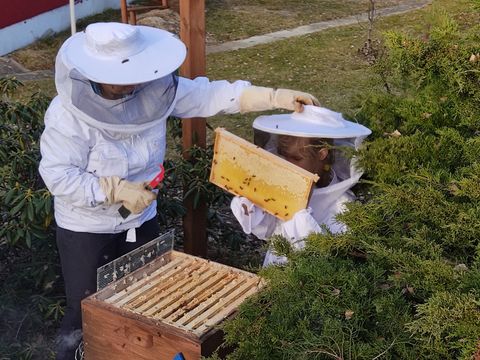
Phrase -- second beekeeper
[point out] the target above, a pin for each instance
(320, 141)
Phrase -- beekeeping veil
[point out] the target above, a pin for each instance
(317, 122)
(119, 54)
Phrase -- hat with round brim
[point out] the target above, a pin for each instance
(312, 122)
(123, 54)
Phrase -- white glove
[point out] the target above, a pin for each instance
(134, 196)
(252, 219)
(243, 210)
(256, 98)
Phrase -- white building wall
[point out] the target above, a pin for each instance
(21, 34)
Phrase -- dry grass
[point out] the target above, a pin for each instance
(225, 20)
(236, 19)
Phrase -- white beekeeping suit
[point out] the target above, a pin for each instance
(325, 202)
(87, 136)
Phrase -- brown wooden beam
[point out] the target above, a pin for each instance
(123, 9)
(192, 33)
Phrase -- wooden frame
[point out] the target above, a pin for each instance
(274, 184)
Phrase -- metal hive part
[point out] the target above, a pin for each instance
(124, 265)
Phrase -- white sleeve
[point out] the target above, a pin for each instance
(253, 219)
(299, 227)
(334, 225)
(204, 98)
(64, 158)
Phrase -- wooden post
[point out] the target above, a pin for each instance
(123, 8)
(192, 33)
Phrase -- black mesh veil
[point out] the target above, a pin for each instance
(148, 102)
(147, 106)
(343, 149)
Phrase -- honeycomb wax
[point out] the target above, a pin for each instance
(270, 182)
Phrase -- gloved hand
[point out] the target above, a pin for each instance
(252, 219)
(243, 209)
(256, 98)
(134, 196)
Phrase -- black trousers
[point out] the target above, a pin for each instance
(81, 254)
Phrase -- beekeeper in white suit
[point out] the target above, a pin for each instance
(104, 138)
(317, 140)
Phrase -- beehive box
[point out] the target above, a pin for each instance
(173, 304)
(274, 184)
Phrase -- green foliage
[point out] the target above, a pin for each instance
(189, 179)
(25, 205)
(169, 205)
(448, 324)
(300, 317)
(404, 281)
(194, 172)
(29, 271)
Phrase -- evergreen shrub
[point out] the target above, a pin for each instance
(404, 281)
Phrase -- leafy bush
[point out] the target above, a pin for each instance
(30, 304)
(26, 206)
(404, 281)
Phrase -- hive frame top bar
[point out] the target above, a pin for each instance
(181, 291)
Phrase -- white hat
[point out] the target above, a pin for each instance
(122, 54)
(314, 121)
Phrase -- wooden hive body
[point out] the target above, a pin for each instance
(274, 184)
(173, 304)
